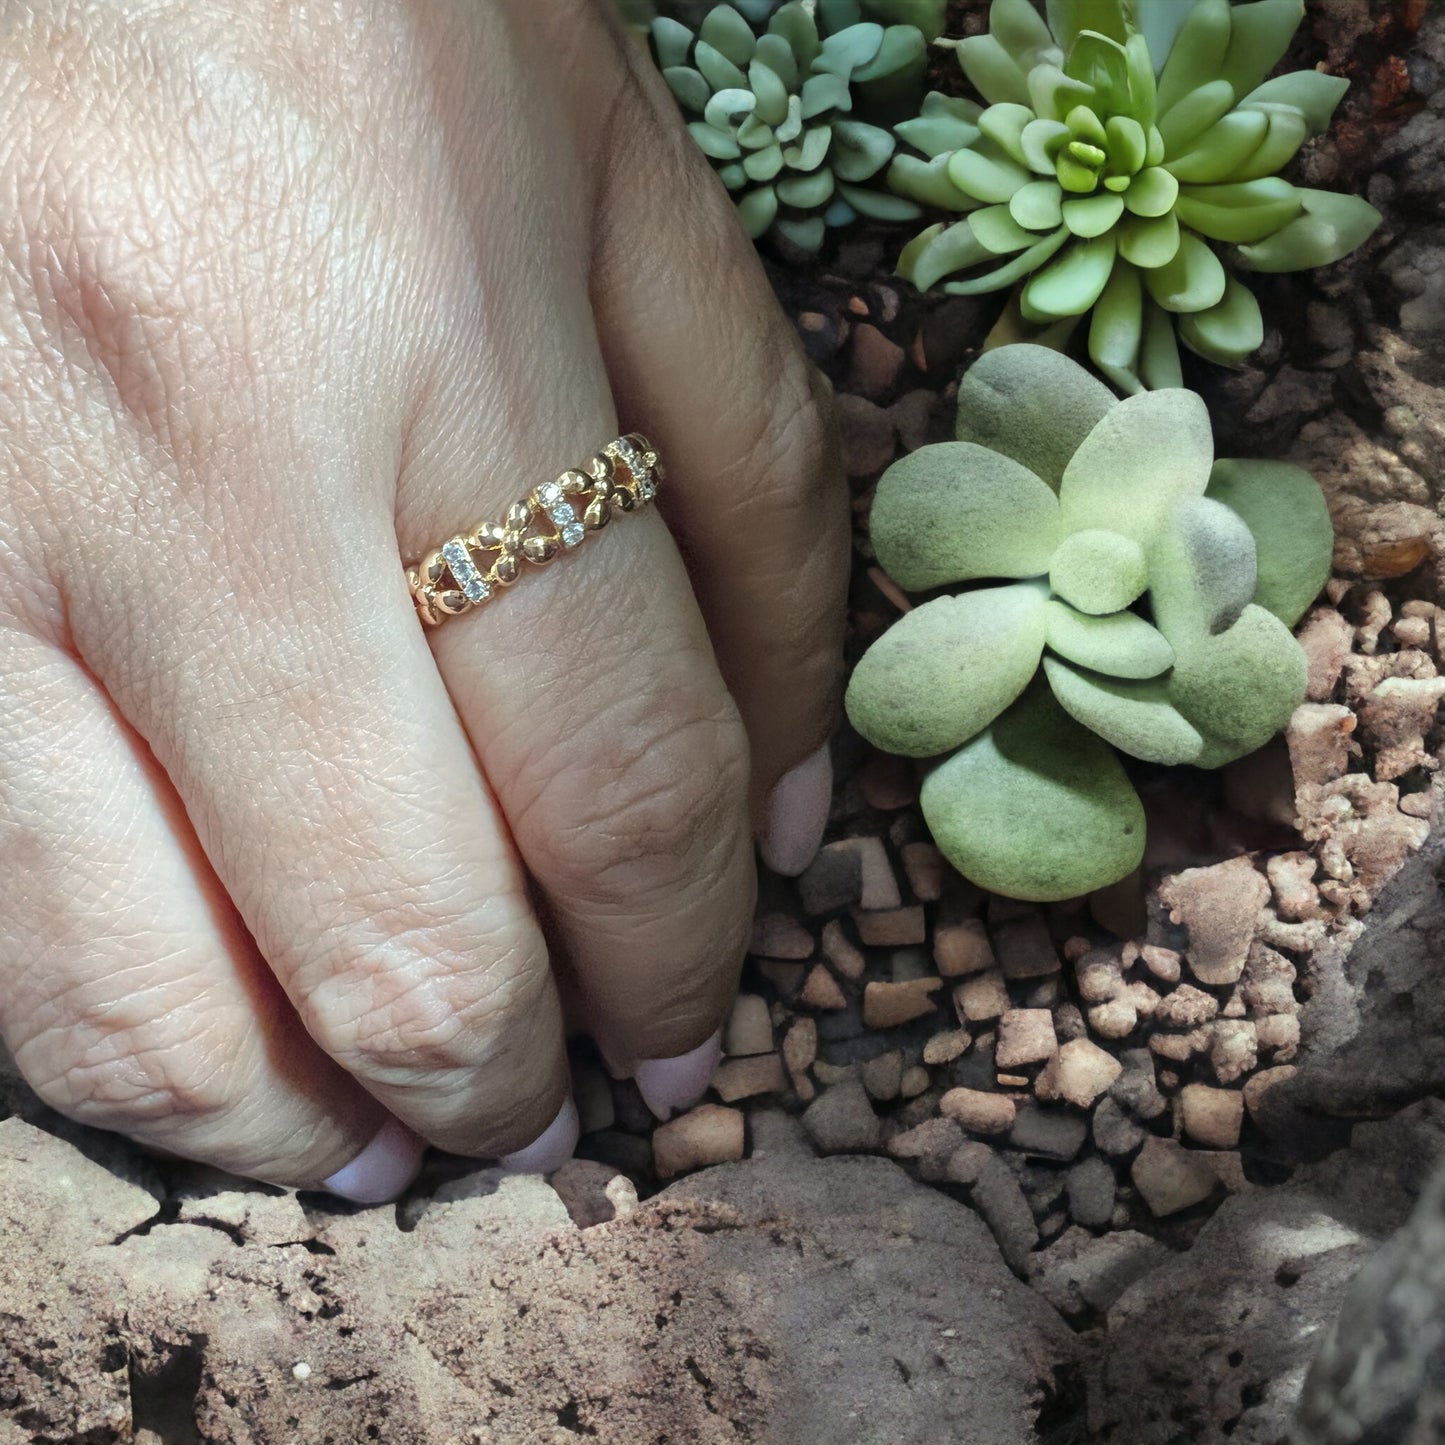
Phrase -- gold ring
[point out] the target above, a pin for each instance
(471, 568)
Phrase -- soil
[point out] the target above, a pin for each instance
(1106, 1175)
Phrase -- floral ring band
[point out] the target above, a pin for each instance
(556, 517)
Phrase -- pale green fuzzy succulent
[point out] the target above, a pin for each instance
(1134, 594)
(1125, 163)
(772, 95)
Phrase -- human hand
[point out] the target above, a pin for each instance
(292, 294)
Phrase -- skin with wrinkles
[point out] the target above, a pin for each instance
(288, 295)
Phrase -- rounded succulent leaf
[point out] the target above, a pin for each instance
(1285, 511)
(1036, 807)
(1191, 280)
(1137, 717)
(1069, 285)
(944, 671)
(1229, 330)
(1240, 687)
(1098, 570)
(1147, 454)
(1203, 571)
(1120, 644)
(1032, 404)
(955, 511)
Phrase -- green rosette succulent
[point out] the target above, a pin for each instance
(1125, 163)
(1133, 595)
(774, 108)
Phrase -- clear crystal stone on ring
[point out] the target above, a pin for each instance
(473, 585)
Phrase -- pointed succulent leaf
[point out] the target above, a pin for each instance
(1242, 212)
(1203, 571)
(1098, 571)
(992, 71)
(758, 209)
(1197, 54)
(954, 511)
(1090, 216)
(859, 150)
(813, 149)
(1229, 330)
(689, 87)
(754, 134)
(1239, 687)
(1071, 284)
(1159, 22)
(775, 52)
(1116, 329)
(1120, 644)
(1313, 93)
(1152, 192)
(720, 145)
(1038, 205)
(902, 49)
(1143, 92)
(926, 182)
(771, 93)
(1036, 807)
(1068, 19)
(797, 27)
(944, 124)
(986, 173)
(1287, 133)
(823, 93)
(1260, 34)
(1182, 125)
(1330, 226)
(1136, 716)
(1285, 511)
(717, 69)
(878, 205)
(1220, 152)
(1149, 241)
(1020, 29)
(1032, 404)
(1101, 63)
(1191, 280)
(848, 50)
(1145, 457)
(996, 228)
(1159, 356)
(671, 42)
(939, 250)
(1024, 264)
(727, 32)
(944, 671)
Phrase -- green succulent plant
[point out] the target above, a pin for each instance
(772, 90)
(1132, 594)
(1125, 163)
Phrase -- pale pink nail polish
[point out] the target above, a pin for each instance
(551, 1149)
(797, 814)
(383, 1169)
(667, 1085)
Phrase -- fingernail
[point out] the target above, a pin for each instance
(551, 1149)
(670, 1084)
(383, 1169)
(797, 814)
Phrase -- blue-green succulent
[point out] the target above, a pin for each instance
(792, 105)
(1125, 162)
(1126, 593)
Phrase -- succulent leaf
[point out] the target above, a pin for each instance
(954, 511)
(1137, 717)
(1120, 644)
(1036, 807)
(1203, 569)
(1331, 226)
(1229, 330)
(944, 671)
(1098, 571)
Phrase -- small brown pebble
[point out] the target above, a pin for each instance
(1100, 975)
(800, 1049)
(967, 1162)
(1411, 631)
(1256, 1087)
(1169, 1178)
(1012, 1081)
(747, 1078)
(1375, 617)
(962, 948)
(709, 1134)
(1291, 876)
(1326, 638)
(1069, 1022)
(1168, 1080)
(812, 321)
(875, 362)
(981, 997)
(821, 991)
(1233, 1049)
(1116, 1019)
(887, 782)
(1025, 1036)
(834, 879)
(1163, 963)
(892, 927)
(1279, 1033)
(1219, 906)
(582, 1186)
(885, 1005)
(979, 1112)
(924, 865)
(945, 1047)
(1212, 1116)
(829, 1074)
(880, 884)
(1044, 994)
(1024, 948)
(622, 1194)
(1180, 1048)
(1186, 1008)
(1080, 1072)
(749, 1027)
(841, 951)
(787, 978)
(866, 432)
(882, 1075)
(776, 935)
(915, 1081)
(934, 1139)
(1075, 948)
(1145, 1000)
(1321, 743)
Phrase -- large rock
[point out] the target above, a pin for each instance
(784, 1298)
